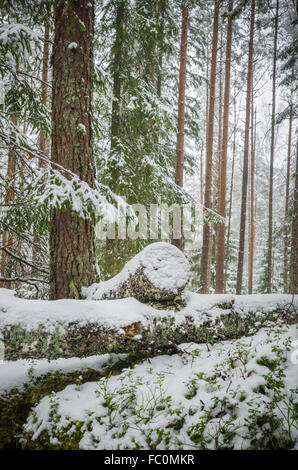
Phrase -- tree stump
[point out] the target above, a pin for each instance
(159, 273)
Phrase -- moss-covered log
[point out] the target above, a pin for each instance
(159, 272)
(159, 333)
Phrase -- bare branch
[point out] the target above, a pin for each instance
(24, 261)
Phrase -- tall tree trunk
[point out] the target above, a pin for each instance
(7, 240)
(216, 184)
(113, 246)
(269, 268)
(206, 118)
(117, 64)
(209, 151)
(252, 197)
(286, 241)
(181, 109)
(201, 177)
(245, 159)
(220, 248)
(294, 237)
(72, 246)
(227, 250)
(45, 66)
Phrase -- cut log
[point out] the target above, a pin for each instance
(159, 273)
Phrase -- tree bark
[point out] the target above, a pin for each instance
(209, 151)
(245, 159)
(227, 250)
(270, 221)
(252, 197)
(181, 111)
(294, 237)
(220, 233)
(72, 247)
(286, 241)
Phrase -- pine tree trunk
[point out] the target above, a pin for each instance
(286, 241)
(269, 268)
(227, 250)
(117, 64)
(216, 185)
(113, 246)
(181, 109)
(220, 233)
(72, 247)
(209, 151)
(294, 237)
(201, 177)
(45, 65)
(245, 159)
(252, 214)
(7, 240)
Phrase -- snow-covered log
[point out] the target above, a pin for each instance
(159, 273)
(80, 328)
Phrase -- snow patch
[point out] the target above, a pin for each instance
(18, 373)
(72, 46)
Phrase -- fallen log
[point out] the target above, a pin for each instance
(35, 329)
(159, 272)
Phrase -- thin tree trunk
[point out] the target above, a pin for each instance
(209, 151)
(113, 246)
(181, 109)
(21, 184)
(294, 237)
(252, 215)
(117, 64)
(159, 75)
(7, 239)
(286, 241)
(216, 185)
(245, 160)
(269, 268)
(201, 177)
(45, 66)
(206, 119)
(220, 248)
(207, 89)
(72, 246)
(227, 250)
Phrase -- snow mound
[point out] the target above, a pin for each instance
(164, 265)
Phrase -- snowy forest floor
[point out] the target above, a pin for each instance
(224, 394)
